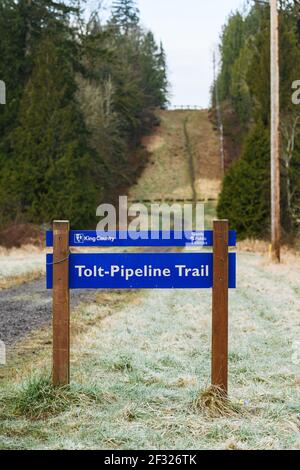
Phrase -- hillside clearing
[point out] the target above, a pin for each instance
(167, 174)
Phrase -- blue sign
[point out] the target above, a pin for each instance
(155, 238)
(141, 271)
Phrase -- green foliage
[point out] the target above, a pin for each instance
(231, 44)
(153, 71)
(239, 89)
(22, 27)
(79, 99)
(54, 176)
(12, 64)
(245, 193)
(244, 82)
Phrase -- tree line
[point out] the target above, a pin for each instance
(243, 85)
(80, 94)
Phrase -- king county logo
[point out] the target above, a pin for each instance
(79, 238)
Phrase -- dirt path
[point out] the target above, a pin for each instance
(27, 307)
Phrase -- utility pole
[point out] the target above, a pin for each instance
(275, 120)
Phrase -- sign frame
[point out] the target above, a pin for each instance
(58, 264)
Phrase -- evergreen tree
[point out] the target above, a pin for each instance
(125, 14)
(70, 92)
(245, 196)
(240, 95)
(163, 72)
(230, 48)
(50, 170)
(22, 27)
(13, 70)
(153, 69)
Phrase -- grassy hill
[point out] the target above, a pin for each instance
(168, 174)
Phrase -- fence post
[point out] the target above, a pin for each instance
(61, 304)
(219, 372)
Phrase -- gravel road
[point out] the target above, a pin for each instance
(28, 306)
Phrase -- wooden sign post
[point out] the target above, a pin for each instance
(61, 304)
(219, 372)
(215, 270)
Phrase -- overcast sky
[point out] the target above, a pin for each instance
(190, 31)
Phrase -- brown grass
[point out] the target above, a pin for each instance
(13, 281)
(17, 234)
(214, 402)
(264, 247)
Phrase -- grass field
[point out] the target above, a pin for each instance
(139, 362)
(20, 265)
